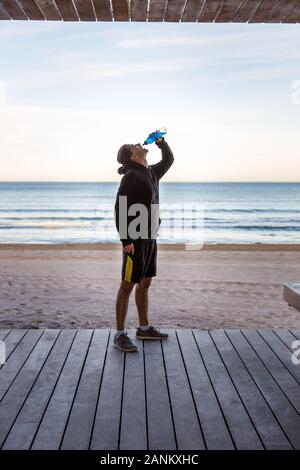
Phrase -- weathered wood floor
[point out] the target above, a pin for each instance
(70, 389)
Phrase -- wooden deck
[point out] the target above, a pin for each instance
(71, 389)
(208, 11)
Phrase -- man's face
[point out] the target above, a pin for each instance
(139, 153)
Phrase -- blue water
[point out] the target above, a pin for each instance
(83, 212)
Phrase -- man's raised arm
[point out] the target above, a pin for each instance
(167, 160)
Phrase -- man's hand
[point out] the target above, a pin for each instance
(159, 140)
(129, 248)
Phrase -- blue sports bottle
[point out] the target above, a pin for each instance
(155, 135)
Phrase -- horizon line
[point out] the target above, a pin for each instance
(164, 182)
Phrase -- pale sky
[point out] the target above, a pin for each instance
(72, 93)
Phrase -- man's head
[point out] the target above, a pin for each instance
(132, 152)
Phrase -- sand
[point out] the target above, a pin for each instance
(219, 287)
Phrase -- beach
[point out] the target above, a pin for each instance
(220, 286)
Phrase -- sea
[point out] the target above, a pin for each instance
(83, 212)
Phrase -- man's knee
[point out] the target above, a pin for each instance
(145, 283)
(126, 287)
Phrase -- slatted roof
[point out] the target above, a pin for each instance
(209, 11)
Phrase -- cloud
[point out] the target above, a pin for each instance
(242, 44)
(69, 68)
(27, 29)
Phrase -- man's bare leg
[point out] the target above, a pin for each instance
(122, 303)
(141, 300)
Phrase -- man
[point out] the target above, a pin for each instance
(140, 185)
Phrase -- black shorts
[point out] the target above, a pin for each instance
(142, 263)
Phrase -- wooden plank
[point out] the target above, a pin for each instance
(11, 339)
(10, 370)
(102, 10)
(281, 342)
(285, 413)
(242, 430)
(210, 11)
(3, 13)
(120, 10)
(228, 10)
(284, 379)
(294, 16)
(187, 427)
(174, 10)
(31, 10)
(134, 402)
(52, 426)
(157, 10)
(138, 10)
(49, 9)
(281, 10)
(291, 294)
(3, 337)
(16, 396)
(246, 11)
(66, 10)
(85, 10)
(85, 403)
(263, 419)
(216, 434)
(263, 10)
(4, 334)
(14, 10)
(160, 431)
(24, 428)
(192, 10)
(107, 420)
(296, 333)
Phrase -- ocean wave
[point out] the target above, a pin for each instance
(278, 228)
(62, 219)
(45, 225)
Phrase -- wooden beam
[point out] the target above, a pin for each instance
(14, 10)
(120, 10)
(174, 10)
(294, 16)
(31, 10)
(228, 10)
(138, 10)
(192, 10)
(210, 11)
(246, 11)
(3, 13)
(279, 13)
(49, 9)
(102, 10)
(262, 11)
(67, 10)
(157, 10)
(85, 10)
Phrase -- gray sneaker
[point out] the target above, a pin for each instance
(124, 343)
(151, 333)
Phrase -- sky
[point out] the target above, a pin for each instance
(72, 93)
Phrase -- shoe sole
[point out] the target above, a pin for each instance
(149, 337)
(124, 350)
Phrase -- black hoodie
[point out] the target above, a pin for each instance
(141, 185)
